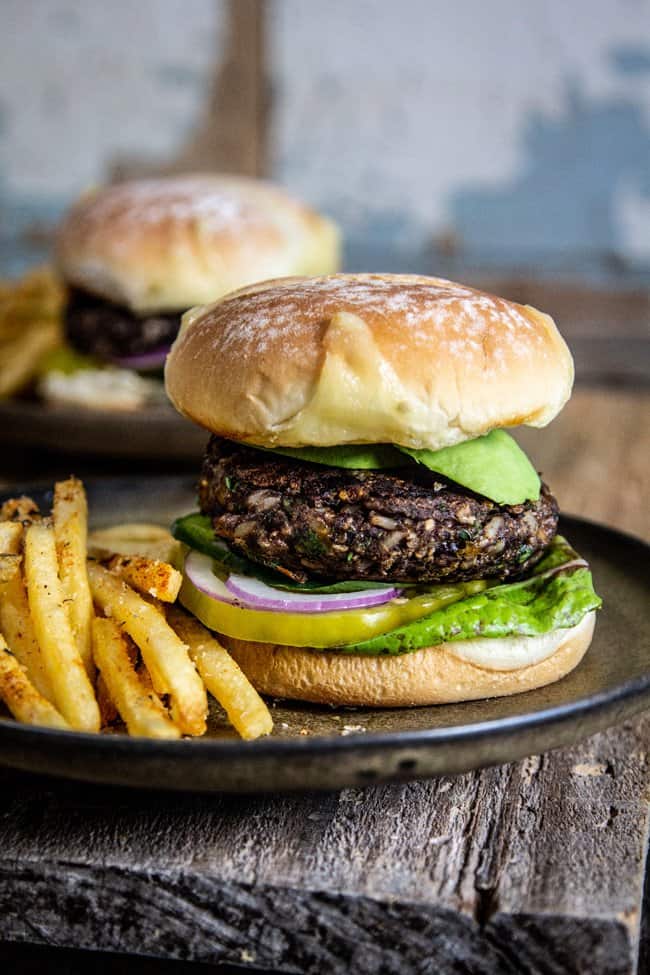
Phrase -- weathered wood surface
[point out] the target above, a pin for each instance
(529, 868)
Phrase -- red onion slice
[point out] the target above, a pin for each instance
(198, 569)
(251, 593)
(145, 361)
(257, 595)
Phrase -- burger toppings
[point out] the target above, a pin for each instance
(559, 593)
(371, 560)
(103, 329)
(397, 525)
(493, 465)
(205, 593)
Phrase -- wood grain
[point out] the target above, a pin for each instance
(230, 134)
(596, 457)
(608, 330)
(534, 867)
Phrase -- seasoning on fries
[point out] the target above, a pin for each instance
(140, 708)
(164, 654)
(73, 692)
(20, 695)
(89, 635)
(223, 677)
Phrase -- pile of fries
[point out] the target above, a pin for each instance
(90, 633)
(31, 315)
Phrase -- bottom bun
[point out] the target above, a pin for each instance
(433, 675)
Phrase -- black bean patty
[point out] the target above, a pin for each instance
(406, 525)
(105, 330)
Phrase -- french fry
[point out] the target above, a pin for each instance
(70, 513)
(165, 655)
(16, 623)
(223, 677)
(9, 568)
(107, 711)
(141, 709)
(30, 326)
(107, 707)
(134, 538)
(11, 536)
(149, 576)
(73, 693)
(20, 695)
(22, 509)
(21, 356)
(40, 291)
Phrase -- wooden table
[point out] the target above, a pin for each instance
(535, 867)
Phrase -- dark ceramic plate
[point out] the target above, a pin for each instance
(151, 432)
(323, 748)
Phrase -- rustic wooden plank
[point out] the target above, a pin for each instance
(231, 132)
(596, 457)
(534, 867)
(580, 309)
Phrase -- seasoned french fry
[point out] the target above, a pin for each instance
(134, 538)
(22, 509)
(70, 512)
(73, 693)
(11, 534)
(164, 654)
(223, 677)
(149, 576)
(16, 623)
(9, 568)
(21, 356)
(20, 695)
(30, 326)
(107, 711)
(141, 709)
(107, 707)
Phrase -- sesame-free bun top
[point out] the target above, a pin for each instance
(170, 244)
(366, 358)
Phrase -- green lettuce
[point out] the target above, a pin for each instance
(558, 595)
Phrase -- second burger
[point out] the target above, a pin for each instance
(136, 255)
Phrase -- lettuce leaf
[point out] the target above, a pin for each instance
(557, 596)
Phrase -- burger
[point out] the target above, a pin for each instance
(136, 255)
(368, 531)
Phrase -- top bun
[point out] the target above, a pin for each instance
(169, 244)
(366, 358)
